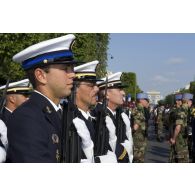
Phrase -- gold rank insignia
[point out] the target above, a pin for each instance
(121, 157)
(55, 138)
(57, 155)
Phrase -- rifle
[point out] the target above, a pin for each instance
(70, 149)
(100, 126)
(3, 98)
(120, 128)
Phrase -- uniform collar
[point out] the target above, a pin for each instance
(86, 114)
(56, 107)
(113, 112)
(8, 109)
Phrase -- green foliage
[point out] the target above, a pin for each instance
(161, 102)
(183, 90)
(129, 79)
(192, 87)
(87, 47)
(169, 99)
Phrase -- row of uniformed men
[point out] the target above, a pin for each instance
(34, 129)
(181, 119)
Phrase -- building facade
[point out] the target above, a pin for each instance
(154, 97)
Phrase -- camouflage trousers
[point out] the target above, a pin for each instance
(159, 129)
(139, 146)
(179, 152)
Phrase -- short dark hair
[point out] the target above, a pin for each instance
(31, 75)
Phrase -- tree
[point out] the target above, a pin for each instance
(169, 99)
(87, 47)
(129, 79)
(192, 87)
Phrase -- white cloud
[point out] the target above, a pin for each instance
(175, 61)
(163, 79)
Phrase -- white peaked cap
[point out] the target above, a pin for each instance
(114, 80)
(22, 83)
(45, 51)
(87, 67)
(87, 72)
(112, 77)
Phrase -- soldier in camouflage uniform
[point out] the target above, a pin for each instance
(172, 119)
(159, 121)
(179, 138)
(139, 128)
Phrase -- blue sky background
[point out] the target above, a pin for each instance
(162, 62)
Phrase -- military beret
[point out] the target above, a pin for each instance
(142, 96)
(187, 96)
(178, 96)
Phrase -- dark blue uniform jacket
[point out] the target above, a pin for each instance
(34, 132)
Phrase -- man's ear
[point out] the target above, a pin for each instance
(12, 99)
(40, 75)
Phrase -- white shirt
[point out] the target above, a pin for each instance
(113, 112)
(3, 133)
(86, 114)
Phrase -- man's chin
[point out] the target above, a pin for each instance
(68, 92)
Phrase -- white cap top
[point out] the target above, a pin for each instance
(87, 67)
(113, 80)
(22, 83)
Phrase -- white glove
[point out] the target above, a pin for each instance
(3, 134)
(85, 161)
(89, 153)
(127, 124)
(111, 128)
(83, 132)
(110, 157)
(129, 147)
(112, 144)
(2, 155)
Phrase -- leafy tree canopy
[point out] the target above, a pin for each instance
(129, 79)
(87, 47)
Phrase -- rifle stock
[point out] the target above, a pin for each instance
(119, 127)
(70, 141)
(100, 126)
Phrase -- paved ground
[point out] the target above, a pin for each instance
(157, 152)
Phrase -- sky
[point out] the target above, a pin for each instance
(162, 62)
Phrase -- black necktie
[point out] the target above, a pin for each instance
(90, 119)
(59, 113)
